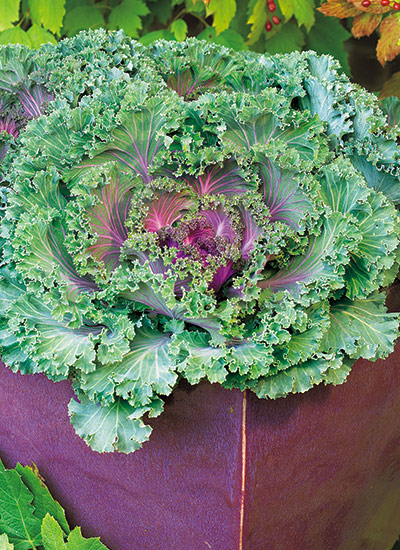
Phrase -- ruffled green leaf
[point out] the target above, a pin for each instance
(108, 428)
(370, 330)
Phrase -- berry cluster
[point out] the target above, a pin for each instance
(275, 19)
(395, 5)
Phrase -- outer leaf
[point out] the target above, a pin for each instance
(17, 518)
(378, 180)
(109, 428)
(388, 46)
(42, 499)
(197, 358)
(298, 379)
(57, 347)
(370, 330)
(126, 16)
(223, 12)
(334, 240)
(9, 13)
(49, 13)
(148, 362)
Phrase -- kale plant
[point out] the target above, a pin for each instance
(185, 211)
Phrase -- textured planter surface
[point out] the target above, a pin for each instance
(225, 470)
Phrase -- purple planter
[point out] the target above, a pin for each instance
(225, 470)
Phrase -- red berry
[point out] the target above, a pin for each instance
(366, 3)
(268, 26)
(396, 6)
(385, 2)
(276, 20)
(271, 6)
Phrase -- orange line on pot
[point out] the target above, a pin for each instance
(243, 485)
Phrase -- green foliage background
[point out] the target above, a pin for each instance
(233, 23)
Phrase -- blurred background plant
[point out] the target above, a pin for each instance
(363, 34)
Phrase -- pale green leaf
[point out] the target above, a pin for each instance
(38, 36)
(49, 13)
(9, 12)
(52, 534)
(148, 362)
(361, 328)
(109, 428)
(179, 29)
(4, 543)
(16, 35)
(303, 10)
(77, 542)
(223, 12)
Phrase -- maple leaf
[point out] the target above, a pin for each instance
(365, 23)
(338, 8)
(388, 45)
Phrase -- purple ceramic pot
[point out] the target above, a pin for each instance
(224, 470)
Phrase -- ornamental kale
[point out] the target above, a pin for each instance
(22, 94)
(184, 211)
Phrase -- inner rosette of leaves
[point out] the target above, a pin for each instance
(217, 231)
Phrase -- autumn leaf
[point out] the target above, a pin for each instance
(374, 7)
(391, 87)
(388, 44)
(338, 8)
(364, 24)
